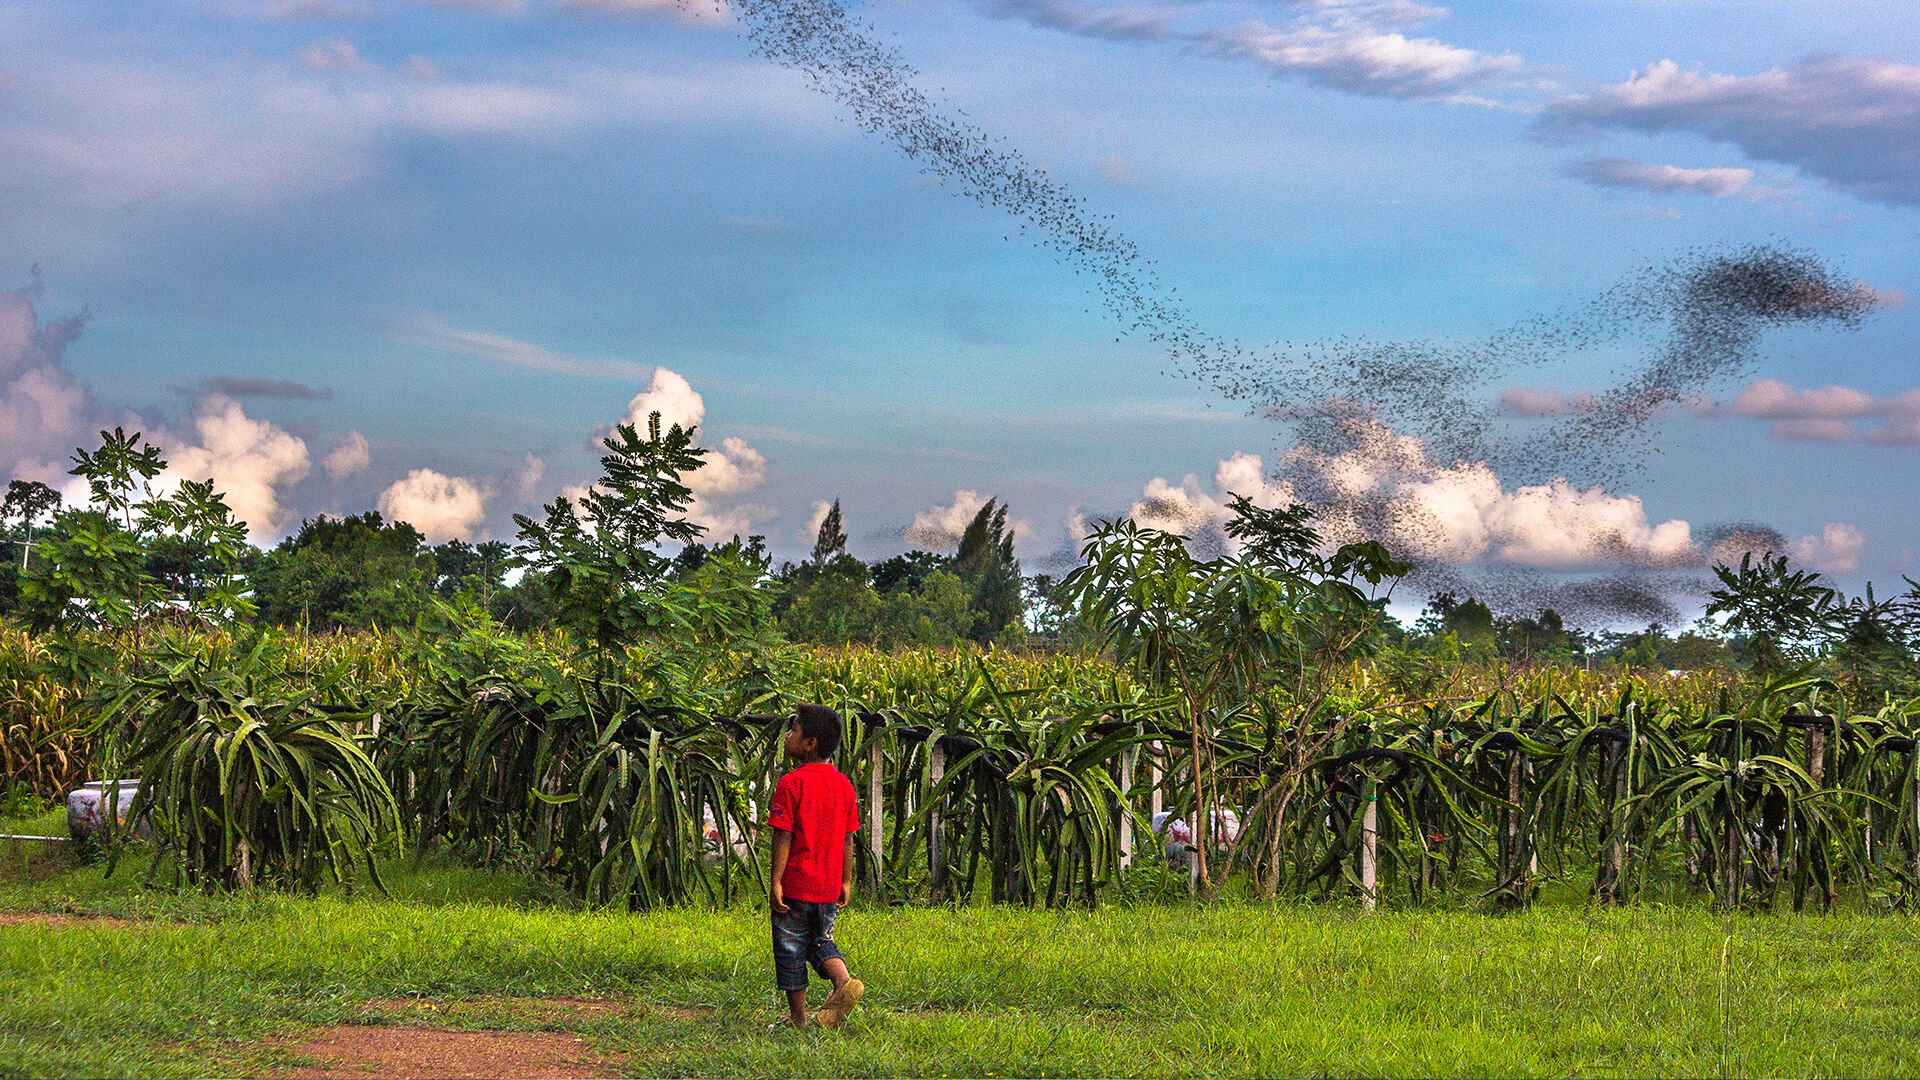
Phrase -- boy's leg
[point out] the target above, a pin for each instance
(835, 970)
(826, 959)
(790, 940)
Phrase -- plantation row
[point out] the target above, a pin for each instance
(629, 752)
(998, 777)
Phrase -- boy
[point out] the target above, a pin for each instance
(814, 817)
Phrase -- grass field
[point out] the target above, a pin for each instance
(194, 985)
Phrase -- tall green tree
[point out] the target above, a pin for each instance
(1784, 614)
(832, 537)
(99, 567)
(28, 505)
(347, 571)
(986, 563)
(599, 557)
(1215, 631)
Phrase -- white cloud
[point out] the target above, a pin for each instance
(334, 52)
(249, 460)
(1647, 176)
(318, 9)
(44, 411)
(243, 134)
(709, 12)
(431, 332)
(1384, 485)
(672, 396)
(1823, 414)
(1201, 515)
(730, 470)
(1771, 399)
(491, 7)
(810, 532)
(1899, 431)
(1532, 402)
(1837, 550)
(939, 528)
(1811, 430)
(1360, 60)
(527, 481)
(1350, 45)
(441, 507)
(1853, 123)
(349, 456)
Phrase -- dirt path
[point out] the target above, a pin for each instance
(413, 1053)
(417, 1048)
(99, 922)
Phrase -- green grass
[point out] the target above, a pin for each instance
(203, 985)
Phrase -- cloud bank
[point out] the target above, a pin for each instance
(1352, 46)
(252, 461)
(442, 507)
(939, 528)
(1854, 123)
(1661, 179)
(44, 411)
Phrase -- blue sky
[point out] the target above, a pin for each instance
(468, 233)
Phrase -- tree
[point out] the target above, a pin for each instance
(348, 571)
(1783, 614)
(1469, 621)
(598, 558)
(985, 562)
(28, 502)
(1873, 648)
(1216, 631)
(477, 568)
(832, 539)
(98, 567)
(908, 571)
(832, 603)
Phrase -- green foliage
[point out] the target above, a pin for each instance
(599, 558)
(100, 565)
(985, 562)
(1219, 632)
(832, 602)
(341, 572)
(1783, 614)
(46, 745)
(27, 505)
(243, 779)
(832, 537)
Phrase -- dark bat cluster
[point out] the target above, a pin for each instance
(1692, 325)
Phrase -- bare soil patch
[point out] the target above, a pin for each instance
(355, 1052)
(102, 922)
(536, 1009)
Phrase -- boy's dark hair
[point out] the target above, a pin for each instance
(822, 725)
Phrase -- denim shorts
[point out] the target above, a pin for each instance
(804, 935)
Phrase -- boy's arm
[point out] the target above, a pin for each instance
(846, 883)
(782, 847)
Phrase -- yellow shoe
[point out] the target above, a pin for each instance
(839, 1005)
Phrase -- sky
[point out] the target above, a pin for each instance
(345, 255)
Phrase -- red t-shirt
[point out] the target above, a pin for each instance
(817, 805)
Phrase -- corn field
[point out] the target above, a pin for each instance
(45, 749)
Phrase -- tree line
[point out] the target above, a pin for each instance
(129, 552)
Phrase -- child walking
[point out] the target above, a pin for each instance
(814, 817)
